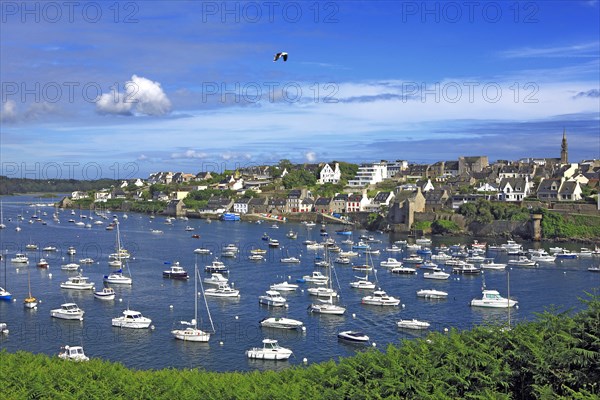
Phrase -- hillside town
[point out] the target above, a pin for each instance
(397, 190)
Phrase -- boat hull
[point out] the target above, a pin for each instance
(191, 335)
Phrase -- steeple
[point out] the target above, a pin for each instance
(564, 151)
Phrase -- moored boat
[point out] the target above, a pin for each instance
(353, 336)
(270, 351)
(413, 324)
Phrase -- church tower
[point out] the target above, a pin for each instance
(564, 152)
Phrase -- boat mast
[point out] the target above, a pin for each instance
(508, 296)
(203, 295)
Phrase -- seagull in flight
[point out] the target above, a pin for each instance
(283, 55)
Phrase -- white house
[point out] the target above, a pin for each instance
(330, 175)
(486, 187)
(513, 189)
(77, 195)
(241, 205)
(369, 174)
(357, 202)
(427, 187)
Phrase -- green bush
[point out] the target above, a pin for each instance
(555, 357)
(442, 226)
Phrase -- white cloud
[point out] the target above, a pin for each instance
(310, 156)
(142, 96)
(9, 111)
(189, 154)
(575, 50)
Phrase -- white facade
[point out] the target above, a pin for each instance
(369, 174)
(241, 207)
(330, 175)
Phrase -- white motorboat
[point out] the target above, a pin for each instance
(492, 265)
(413, 324)
(70, 267)
(380, 298)
(19, 258)
(68, 311)
(117, 278)
(492, 299)
(223, 290)
(256, 257)
(290, 260)
(585, 252)
(441, 257)
(322, 292)
(413, 259)
(555, 249)
(272, 298)
(175, 272)
(353, 336)
(316, 278)
(258, 251)
(348, 254)
(71, 250)
(465, 268)
(49, 248)
(73, 353)
(284, 287)
(78, 282)
(594, 269)
(42, 263)
(522, 261)
(216, 266)
(326, 307)
(403, 270)
(86, 261)
(273, 243)
(342, 260)
(192, 333)
(363, 267)
(31, 246)
(202, 251)
(432, 294)
(439, 275)
(292, 235)
(391, 263)
(393, 249)
(363, 282)
(115, 263)
(270, 351)
(423, 241)
(106, 293)
(131, 319)
(216, 279)
(281, 323)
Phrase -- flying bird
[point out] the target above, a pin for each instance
(283, 55)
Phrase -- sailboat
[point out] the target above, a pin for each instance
(192, 333)
(327, 306)
(363, 282)
(30, 301)
(117, 277)
(2, 226)
(5, 294)
(379, 297)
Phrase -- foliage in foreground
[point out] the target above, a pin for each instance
(557, 356)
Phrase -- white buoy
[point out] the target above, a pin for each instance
(35, 308)
(236, 317)
(305, 360)
(171, 306)
(152, 327)
(517, 306)
(120, 300)
(50, 275)
(403, 305)
(445, 330)
(302, 290)
(374, 344)
(221, 343)
(353, 315)
(289, 277)
(303, 329)
(287, 305)
(14, 300)
(17, 269)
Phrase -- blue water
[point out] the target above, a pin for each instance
(236, 320)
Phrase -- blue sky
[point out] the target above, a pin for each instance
(124, 89)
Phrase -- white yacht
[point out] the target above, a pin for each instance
(391, 263)
(216, 279)
(68, 311)
(284, 287)
(290, 260)
(272, 298)
(105, 294)
(131, 319)
(223, 290)
(192, 333)
(492, 299)
(73, 353)
(439, 275)
(522, 261)
(432, 294)
(270, 351)
(117, 278)
(216, 266)
(19, 258)
(201, 250)
(316, 278)
(363, 282)
(70, 267)
(322, 292)
(380, 298)
(403, 270)
(78, 282)
(281, 323)
(353, 336)
(413, 324)
(490, 264)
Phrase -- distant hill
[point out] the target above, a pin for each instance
(19, 185)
